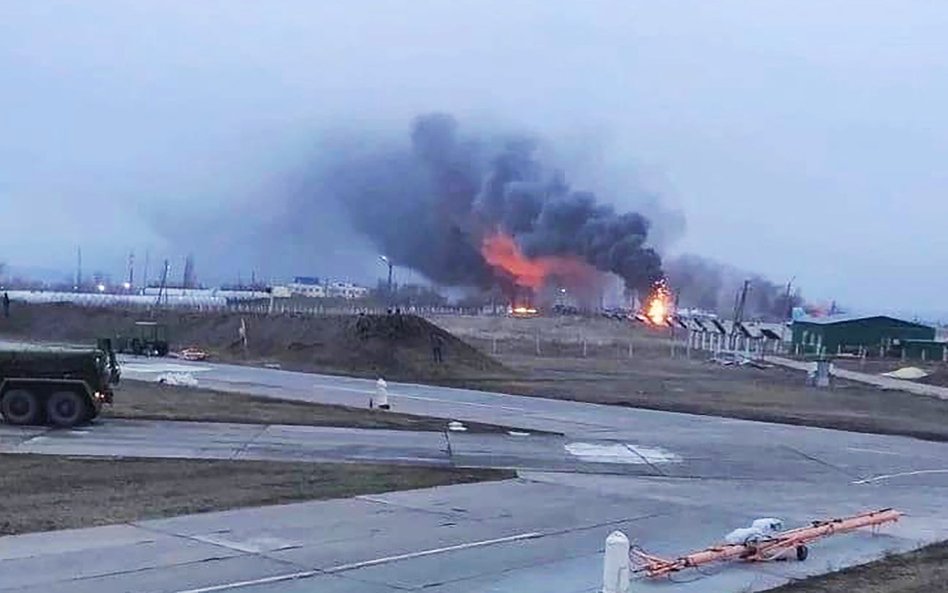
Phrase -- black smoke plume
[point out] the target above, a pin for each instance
(428, 204)
(711, 286)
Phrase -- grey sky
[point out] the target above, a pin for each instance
(798, 138)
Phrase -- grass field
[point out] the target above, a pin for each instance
(42, 492)
(922, 571)
(154, 401)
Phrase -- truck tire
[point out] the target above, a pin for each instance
(20, 406)
(802, 552)
(66, 408)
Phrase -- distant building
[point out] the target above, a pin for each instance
(315, 288)
(313, 291)
(307, 281)
(347, 290)
(850, 333)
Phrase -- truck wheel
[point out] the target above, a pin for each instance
(20, 406)
(66, 408)
(802, 552)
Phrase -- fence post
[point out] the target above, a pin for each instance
(630, 349)
(538, 342)
(493, 345)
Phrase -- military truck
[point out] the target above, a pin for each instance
(58, 385)
(147, 338)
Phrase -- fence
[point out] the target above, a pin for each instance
(204, 303)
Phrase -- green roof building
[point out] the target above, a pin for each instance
(874, 333)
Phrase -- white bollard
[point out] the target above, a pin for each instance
(381, 395)
(615, 566)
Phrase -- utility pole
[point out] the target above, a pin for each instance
(188, 279)
(130, 282)
(388, 262)
(78, 268)
(145, 271)
(789, 311)
(162, 288)
(739, 312)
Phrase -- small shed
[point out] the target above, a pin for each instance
(837, 334)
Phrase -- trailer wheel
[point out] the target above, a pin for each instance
(66, 409)
(802, 552)
(20, 406)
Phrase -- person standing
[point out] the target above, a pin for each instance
(437, 348)
(6, 305)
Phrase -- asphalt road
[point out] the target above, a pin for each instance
(672, 482)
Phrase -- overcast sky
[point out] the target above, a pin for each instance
(801, 139)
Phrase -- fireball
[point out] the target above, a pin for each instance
(658, 307)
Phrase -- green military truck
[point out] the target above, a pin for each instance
(58, 385)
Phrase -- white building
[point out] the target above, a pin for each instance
(347, 290)
(313, 291)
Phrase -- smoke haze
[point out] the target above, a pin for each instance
(799, 140)
(430, 203)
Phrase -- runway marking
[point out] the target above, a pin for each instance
(433, 551)
(861, 450)
(165, 367)
(364, 564)
(919, 472)
(621, 453)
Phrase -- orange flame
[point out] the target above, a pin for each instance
(501, 251)
(658, 307)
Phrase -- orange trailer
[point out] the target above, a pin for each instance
(776, 546)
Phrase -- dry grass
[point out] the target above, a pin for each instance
(154, 401)
(650, 378)
(699, 387)
(42, 493)
(921, 571)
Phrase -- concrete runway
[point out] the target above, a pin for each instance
(672, 482)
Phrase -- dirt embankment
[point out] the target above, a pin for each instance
(395, 346)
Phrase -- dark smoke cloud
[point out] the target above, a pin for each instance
(712, 286)
(427, 205)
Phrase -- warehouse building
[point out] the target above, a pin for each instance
(874, 334)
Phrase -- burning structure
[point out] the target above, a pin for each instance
(486, 213)
(659, 307)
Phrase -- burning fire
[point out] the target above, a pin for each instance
(501, 251)
(658, 306)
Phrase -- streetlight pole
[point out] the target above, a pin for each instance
(385, 260)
